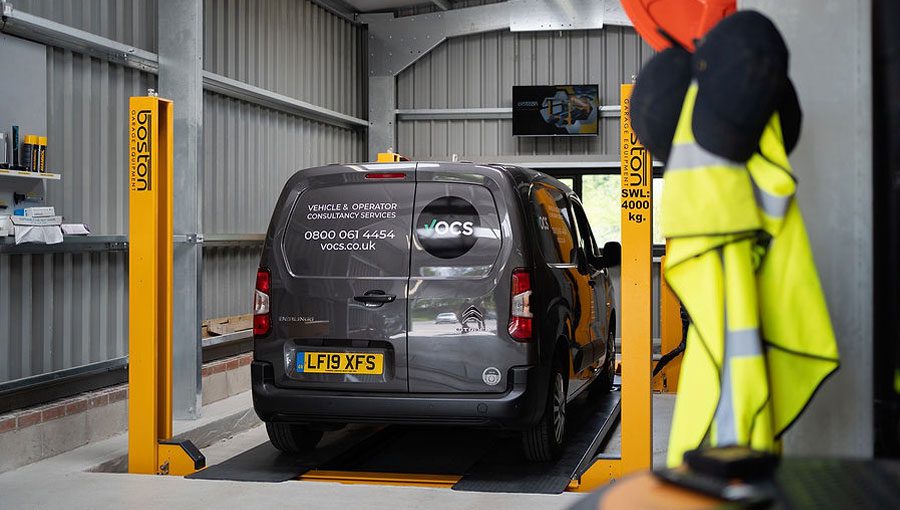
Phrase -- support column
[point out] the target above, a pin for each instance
(181, 80)
(382, 114)
(831, 65)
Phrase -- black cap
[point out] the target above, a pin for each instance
(741, 68)
(791, 116)
(657, 99)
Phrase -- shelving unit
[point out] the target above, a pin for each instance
(70, 244)
(19, 174)
(12, 182)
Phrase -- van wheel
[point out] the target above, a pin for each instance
(544, 441)
(607, 377)
(293, 438)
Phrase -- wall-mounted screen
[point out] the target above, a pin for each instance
(555, 110)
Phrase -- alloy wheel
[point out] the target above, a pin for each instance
(559, 408)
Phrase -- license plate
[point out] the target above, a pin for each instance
(366, 363)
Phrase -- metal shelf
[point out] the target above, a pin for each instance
(4, 172)
(70, 244)
(95, 243)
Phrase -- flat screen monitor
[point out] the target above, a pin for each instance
(555, 110)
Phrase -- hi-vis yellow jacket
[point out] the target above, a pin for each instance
(760, 341)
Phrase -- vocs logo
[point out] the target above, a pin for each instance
(446, 227)
(456, 228)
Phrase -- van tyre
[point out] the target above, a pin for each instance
(604, 382)
(544, 441)
(293, 438)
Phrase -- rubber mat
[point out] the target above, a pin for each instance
(417, 450)
(265, 463)
(505, 469)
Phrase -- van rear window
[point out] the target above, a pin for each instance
(456, 232)
(352, 230)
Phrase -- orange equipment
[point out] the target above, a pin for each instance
(683, 20)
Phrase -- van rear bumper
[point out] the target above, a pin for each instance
(520, 407)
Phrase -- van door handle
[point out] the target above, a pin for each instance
(375, 298)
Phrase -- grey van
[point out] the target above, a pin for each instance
(359, 261)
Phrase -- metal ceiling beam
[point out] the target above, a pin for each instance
(396, 43)
(338, 8)
(544, 15)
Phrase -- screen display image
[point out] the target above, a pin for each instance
(555, 110)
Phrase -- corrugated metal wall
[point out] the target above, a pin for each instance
(60, 311)
(87, 114)
(229, 274)
(127, 21)
(294, 48)
(65, 310)
(479, 71)
(250, 151)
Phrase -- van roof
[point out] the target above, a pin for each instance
(517, 173)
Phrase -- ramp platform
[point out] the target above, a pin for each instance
(461, 458)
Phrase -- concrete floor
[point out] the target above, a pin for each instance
(63, 482)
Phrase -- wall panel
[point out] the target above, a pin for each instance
(87, 119)
(130, 22)
(295, 48)
(249, 153)
(229, 275)
(60, 311)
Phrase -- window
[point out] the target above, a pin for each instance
(351, 231)
(584, 231)
(554, 224)
(568, 181)
(602, 199)
(457, 230)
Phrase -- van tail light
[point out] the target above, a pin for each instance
(262, 317)
(520, 311)
(386, 175)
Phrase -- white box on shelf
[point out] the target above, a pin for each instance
(39, 212)
(36, 222)
(75, 229)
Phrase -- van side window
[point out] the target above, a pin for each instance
(586, 236)
(554, 224)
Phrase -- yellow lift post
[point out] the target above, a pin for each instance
(635, 311)
(670, 332)
(150, 447)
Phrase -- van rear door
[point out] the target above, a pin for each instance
(342, 311)
(457, 339)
